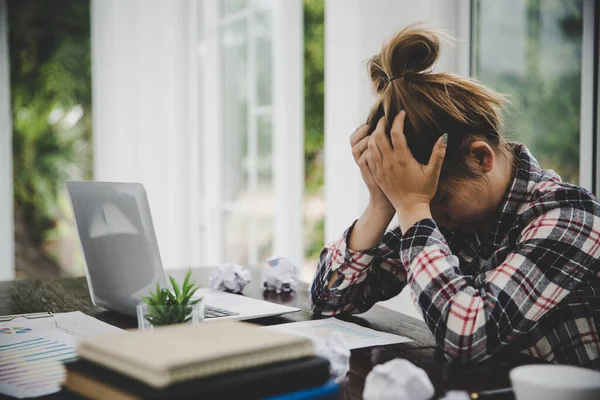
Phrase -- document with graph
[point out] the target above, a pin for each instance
(32, 351)
(355, 335)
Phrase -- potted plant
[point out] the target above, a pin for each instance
(166, 307)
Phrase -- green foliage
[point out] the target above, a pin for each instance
(316, 234)
(166, 307)
(49, 44)
(314, 115)
(548, 123)
(314, 92)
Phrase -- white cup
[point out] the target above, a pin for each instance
(555, 382)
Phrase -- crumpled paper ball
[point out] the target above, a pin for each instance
(280, 275)
(398, 379)
(456, 395)
(229, 277)
(335, 349)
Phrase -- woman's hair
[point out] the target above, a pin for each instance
(435, 103)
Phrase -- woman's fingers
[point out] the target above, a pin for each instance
(371, 163)
(359, 148)
(381, 138)
(359, 134)
(397, 133)
(376, 155)
(364, 165)
(381, 126)
(437, 156)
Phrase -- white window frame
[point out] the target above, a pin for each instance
(586, 120)
(288, 130)
(596, 82)
(7, 236)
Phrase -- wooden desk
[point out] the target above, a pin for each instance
(71, 294)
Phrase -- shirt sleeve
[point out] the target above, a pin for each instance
(365, 277)
(472, 319)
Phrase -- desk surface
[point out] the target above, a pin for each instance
(71, 294)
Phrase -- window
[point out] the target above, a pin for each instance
(532, 51)
(249, 186)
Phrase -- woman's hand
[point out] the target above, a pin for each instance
(359, 142)
(370, 227)
(409, 185)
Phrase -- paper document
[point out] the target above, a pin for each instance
(32, 351)
(355, 335)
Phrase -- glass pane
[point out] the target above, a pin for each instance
(314, 110)
(236, 237)
(265, 228)
(235, 112)
(265, 152)
(50, 99)
(531, 50)
(232, 6)
(265, 195)
(235, 124)
(264, 62)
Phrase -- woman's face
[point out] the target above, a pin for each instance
(462, 206)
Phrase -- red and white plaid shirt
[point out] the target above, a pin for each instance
(530, 286)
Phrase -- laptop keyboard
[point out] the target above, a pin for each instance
(213, 312)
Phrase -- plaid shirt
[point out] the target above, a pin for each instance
(530, 286)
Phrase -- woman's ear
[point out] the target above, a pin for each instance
(483, 155)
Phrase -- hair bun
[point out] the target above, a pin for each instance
(413, 50)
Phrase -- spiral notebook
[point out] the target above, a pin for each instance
(184, 352)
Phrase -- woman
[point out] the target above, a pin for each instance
(498, 253)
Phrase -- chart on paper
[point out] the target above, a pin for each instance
(354, 335)
(18, 330)
(32, 352)
(33, 367)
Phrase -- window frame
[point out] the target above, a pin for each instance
(592, 27)
(7, 237)
(588, 150)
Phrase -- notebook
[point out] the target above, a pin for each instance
(95, 382)
(184, 352)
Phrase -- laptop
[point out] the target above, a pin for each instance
(122, 260)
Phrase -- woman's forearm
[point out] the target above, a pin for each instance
(367, 232)
(370, 228)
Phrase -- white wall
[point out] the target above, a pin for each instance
(355, 31)
(7, 261)
(143, 127)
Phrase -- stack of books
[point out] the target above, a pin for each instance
(219, 360)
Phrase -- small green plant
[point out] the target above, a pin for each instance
(166, 307)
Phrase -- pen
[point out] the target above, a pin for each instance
(495, 394)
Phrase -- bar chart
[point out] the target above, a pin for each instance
(33, 366)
